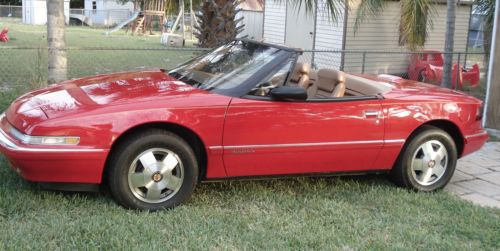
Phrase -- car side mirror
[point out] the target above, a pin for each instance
(288, 93)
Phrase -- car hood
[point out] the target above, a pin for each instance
(90, 93)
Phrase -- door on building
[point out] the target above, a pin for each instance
(299, 27)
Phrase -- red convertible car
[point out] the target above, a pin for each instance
(245, 109)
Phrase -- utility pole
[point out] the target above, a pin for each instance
(492, 102)
(448, 43)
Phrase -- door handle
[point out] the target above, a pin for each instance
(371, 114)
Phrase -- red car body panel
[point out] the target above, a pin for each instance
(242, 137)
(300, 137)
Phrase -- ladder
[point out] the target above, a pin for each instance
(138, 25)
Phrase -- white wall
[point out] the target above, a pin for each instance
(35, 11)
(381, 33)
(329, 36)
(274, 21)
(253, 21)
(113, 5)
(108, 5)
(108, 12)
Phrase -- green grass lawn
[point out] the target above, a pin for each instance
(365, 212)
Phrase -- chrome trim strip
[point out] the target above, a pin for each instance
(215, 147)
(395, 141)
(309, 144)
(306, 144)
(476, 135)
(7, 143)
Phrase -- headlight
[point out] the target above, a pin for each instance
(43, 140)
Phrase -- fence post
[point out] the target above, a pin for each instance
(363, 64)
(459, 69)
(107, 19)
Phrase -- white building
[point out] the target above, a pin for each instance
(284, 24)
(252, 12)
(107, 12)
(35, 11)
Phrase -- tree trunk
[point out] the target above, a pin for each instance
(217, 23)
(448, 43)
(493, 90)
(56, 41)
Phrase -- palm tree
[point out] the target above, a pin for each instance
(56, 41)
(217, 23)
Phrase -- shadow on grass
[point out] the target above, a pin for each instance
(222, 191)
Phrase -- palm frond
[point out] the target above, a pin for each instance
(486, 8)
(335, 7)
(368, 9)
(416, 20)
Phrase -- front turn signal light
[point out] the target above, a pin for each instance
(42, 140)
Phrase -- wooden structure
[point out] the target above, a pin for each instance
(153, 10)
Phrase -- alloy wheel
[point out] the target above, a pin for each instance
(429, 162)
(156, 175)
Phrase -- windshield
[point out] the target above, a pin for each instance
(230, 66)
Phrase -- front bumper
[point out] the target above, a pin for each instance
(474, 142)
(54, 164)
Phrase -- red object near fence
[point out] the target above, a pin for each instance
(3, 35)
(428, 67)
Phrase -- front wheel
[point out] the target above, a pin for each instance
(428, 162)
(152, 170)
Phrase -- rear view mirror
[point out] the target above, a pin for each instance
(288, 93)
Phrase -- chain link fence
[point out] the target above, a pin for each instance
(27, 67)
(11, 11)
(469, 74)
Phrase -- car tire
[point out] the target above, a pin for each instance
(427, 162)
(152, 170)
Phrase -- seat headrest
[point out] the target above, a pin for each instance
(302, 68)
(328, 79)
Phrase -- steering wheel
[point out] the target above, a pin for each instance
(262, 89)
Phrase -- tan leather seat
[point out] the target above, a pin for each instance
(331, 83)
(301, 77)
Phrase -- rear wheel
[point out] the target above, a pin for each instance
(428, 162)
(152, 170)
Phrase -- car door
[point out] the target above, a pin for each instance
(265, 137)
